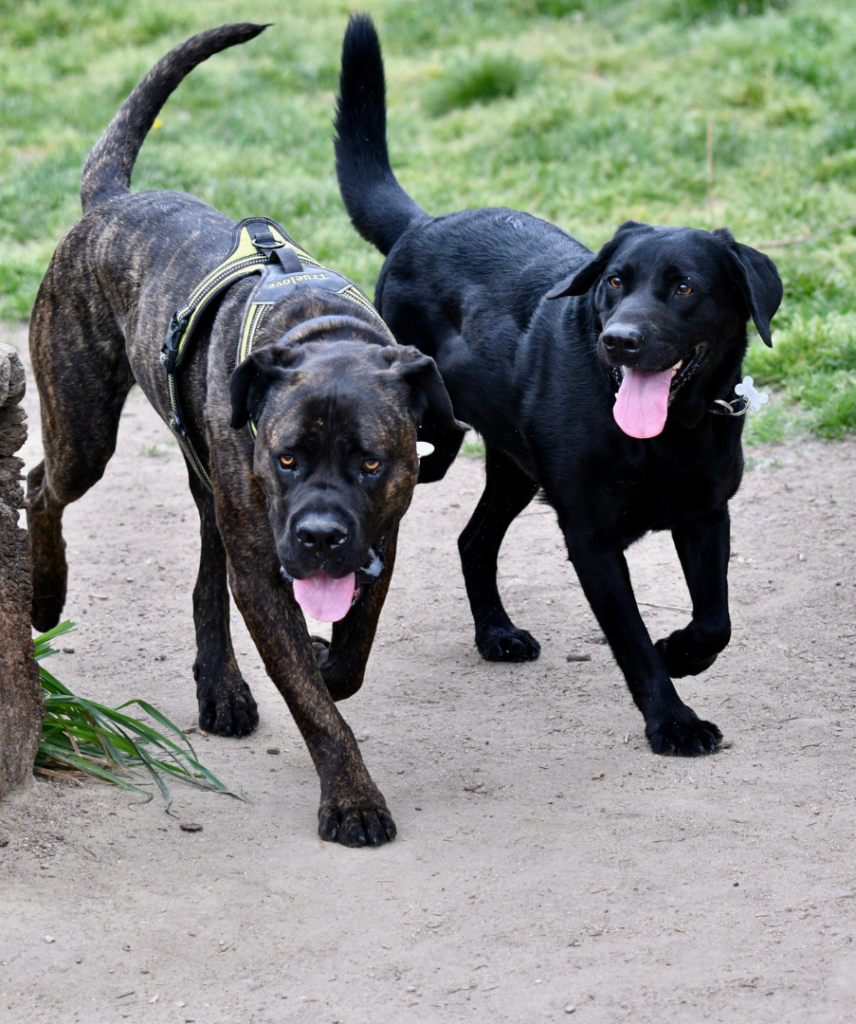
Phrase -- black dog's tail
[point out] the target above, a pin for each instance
(378, 206)
(108, 168)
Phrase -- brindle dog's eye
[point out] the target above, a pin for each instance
(614, 281)
(371, 465)
(286, 461)
(684, 289)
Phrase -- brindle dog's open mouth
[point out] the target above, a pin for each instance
(327, 599)
(644, 396)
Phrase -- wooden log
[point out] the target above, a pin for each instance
(21, 699)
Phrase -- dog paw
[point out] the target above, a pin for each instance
(507, 644)
(684, 737)
(45, 613)
(229, 712)
(356, 822)
(686, 655)
(321, 647)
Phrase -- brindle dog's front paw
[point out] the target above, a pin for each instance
(321, 647)
(684, 736)
(226, 708)
(356, 822)
(687, 653)
(496, 643)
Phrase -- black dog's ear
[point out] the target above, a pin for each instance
(427, 390)
(581, 280)
(759, 281)
(254, 376)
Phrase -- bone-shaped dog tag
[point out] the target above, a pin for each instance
(746, 389)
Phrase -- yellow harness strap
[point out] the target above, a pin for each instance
(260, 246)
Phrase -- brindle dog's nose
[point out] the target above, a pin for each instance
(320, 534)
(623, 341)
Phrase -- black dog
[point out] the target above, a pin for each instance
(306, 511)
(658, 315)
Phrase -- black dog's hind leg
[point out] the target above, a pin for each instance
(703, 548)
(226, 706)
(508, 490)
(671, 726)
(343, 660)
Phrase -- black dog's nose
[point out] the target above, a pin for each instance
(320, 534)
(622, 341)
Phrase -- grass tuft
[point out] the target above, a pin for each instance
(813, 365)
(480, 79)
(83, 736)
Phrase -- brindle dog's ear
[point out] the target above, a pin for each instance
(581, 280)
(758, 280)
(427, 390)
(252, 379)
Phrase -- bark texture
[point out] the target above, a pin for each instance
(21, 701)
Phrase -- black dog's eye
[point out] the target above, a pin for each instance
(371, 465)
(614, 281)
(286, 461)
(684, 289)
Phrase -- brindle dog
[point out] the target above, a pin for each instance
(319, 493)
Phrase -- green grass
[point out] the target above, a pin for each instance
(585, 112)
(81, 736)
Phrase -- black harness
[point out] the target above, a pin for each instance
(259, 246)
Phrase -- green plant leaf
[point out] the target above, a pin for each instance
(108, 744)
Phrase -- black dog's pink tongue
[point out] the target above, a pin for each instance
(642, 404)
(324, 598)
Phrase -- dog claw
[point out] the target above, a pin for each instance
(233, 714)
(356, 826)
(500, 644)
(688, 738)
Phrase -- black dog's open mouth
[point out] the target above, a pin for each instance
(682, 371)
(644, 396)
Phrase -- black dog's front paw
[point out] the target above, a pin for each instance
(226, 708)
(687, 736)
(686, 655)
(356, 822)
(496, 643)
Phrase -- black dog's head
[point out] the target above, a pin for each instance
(671, 306)
(335, 453)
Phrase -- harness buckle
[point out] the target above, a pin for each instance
(175, 424)
(263, 239)
(169, 349)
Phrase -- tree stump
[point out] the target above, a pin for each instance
(21, 700)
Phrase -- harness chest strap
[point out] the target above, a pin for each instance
(260, 246)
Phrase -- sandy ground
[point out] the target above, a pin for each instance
(547, 864)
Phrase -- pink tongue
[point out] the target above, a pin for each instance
(642, 404)
(324, 598)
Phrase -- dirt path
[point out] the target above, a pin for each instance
(546, 859)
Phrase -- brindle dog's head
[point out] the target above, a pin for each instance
(336, 446)
(673, 302)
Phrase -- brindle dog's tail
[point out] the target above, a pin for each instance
(378, 206)
(108, 168)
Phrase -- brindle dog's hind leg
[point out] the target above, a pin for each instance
(83, 377)
(343, 661)
(226, 706)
